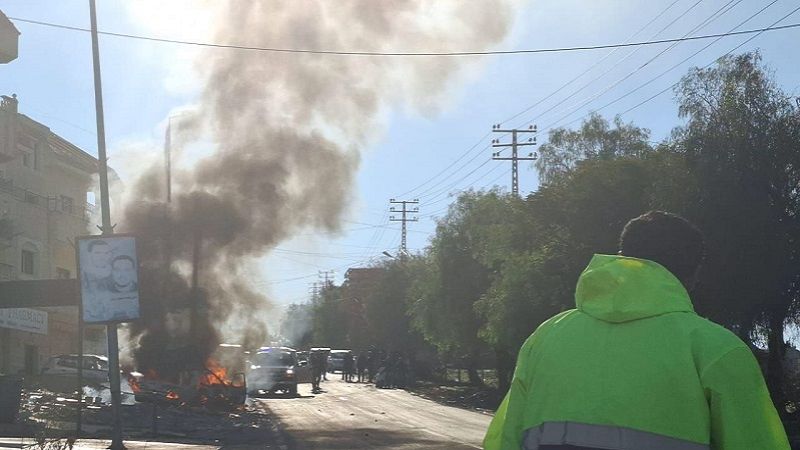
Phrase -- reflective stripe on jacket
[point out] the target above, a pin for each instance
(633, 367)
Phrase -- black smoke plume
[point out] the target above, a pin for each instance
(287, 131)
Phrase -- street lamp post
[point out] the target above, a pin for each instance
(107, 228)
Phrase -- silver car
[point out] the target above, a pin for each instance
(95, 367)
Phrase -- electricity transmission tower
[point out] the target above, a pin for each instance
(314, 290)
(515, 158)
(404, 218)
(327, 276)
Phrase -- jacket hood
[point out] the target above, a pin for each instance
(619, 289)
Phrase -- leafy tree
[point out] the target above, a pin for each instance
(451, 281)
(385, 305)
(596, 139)
(329, 319)
(742, 143)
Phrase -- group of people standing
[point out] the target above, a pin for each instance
(376, 366)
(386, 370)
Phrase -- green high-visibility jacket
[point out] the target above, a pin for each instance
(633, 367)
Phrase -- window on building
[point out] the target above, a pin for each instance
(62, 274)
(27, 159)
(27, 262)
(36, 154)
(66, 204)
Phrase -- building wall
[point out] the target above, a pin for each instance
(44, 182)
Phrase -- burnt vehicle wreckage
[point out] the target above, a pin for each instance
(207, 385)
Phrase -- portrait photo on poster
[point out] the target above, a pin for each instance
(109, 278)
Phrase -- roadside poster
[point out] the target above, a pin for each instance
(109, 278)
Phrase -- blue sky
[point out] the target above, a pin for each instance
(425, 156)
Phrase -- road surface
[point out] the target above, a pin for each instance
(355, 416)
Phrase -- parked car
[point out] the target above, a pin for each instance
(95, 367)
(275, 369)
(336, 360)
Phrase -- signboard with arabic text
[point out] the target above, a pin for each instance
(24, 319)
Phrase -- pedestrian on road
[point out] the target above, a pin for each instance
(317, 360)
(633, 366)
(361, 366)
(372, 364)
(347, 367)
(325, 357)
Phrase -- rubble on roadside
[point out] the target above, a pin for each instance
(44, 412)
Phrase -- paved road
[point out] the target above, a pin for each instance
(354, 416)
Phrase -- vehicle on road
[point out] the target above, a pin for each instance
(274, 369)
(95, 367)
(336, 360)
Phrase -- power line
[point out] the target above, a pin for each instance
(433, 189)
(441, 180)
(436, 176)
(673, 67)
(590, 68)
(718, 13)
(481, 177)
(447, 188)
(368, 53)
(673, 85)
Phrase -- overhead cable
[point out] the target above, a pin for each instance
(399, 53)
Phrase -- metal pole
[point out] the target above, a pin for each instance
(168, 159)
(78, 421)
(111, 329)
(514, 167)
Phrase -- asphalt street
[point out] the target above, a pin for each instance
(355, 416)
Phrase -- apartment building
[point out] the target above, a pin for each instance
(45, 202)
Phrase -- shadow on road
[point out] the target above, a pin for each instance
(363, 438)
(279, 396)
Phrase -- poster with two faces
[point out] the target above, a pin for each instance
(108, 268)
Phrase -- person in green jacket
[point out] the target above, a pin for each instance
(633, 366)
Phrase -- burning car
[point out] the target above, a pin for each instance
(210, 386)
(275, 369)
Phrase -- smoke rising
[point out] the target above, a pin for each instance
(288, 130)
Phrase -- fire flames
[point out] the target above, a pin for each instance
(215, 374)
(208, 386)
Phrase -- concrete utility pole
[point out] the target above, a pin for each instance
(404, 211)
(326, 275)
(107, 228)
(514, 156)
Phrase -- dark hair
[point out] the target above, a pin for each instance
(667, 239)
(123, 258)
(94, 243)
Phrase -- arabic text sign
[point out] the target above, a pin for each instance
(24, 319)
